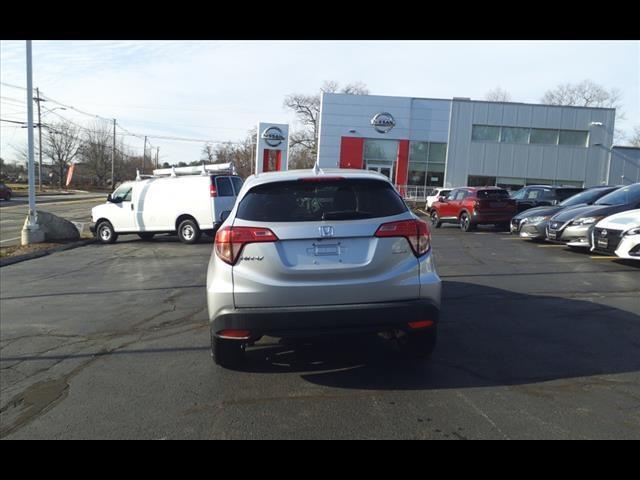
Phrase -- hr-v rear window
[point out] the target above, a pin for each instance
(305, 201)
(492, 194)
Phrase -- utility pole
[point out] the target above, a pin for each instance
(113, 156)
(157, 154)
(144, 153)
(38, 99)
(31, 232)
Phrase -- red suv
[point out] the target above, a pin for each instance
(471, 206)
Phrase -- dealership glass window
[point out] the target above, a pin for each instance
(544, 136)
(510, 183)
(514, 135)
(437, 152)
(419, 152)
(485, 133)
(573, 137)
(380, 151)
(435, 175)
(417, 173)
(480, 181)
(538, 181)
(569, 183)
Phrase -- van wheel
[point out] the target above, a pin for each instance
(435, 220)
(420, 344)
(188, 231)
(465, 223)
(146, 236)
(105, 232)
(226, 353)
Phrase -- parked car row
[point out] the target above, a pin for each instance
(604, 219)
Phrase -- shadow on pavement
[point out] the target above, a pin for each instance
(487, 337)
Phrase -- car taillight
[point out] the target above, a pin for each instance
(415, 231)
(230, 241)
(213, 191)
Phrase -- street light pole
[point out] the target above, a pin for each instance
(31, 232)
(113, 158)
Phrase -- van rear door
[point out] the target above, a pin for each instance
(223, 196)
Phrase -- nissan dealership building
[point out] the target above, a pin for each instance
(427, 142)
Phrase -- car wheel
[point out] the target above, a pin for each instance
(226, 353)
(419, 344)
(465, 223)
(188, 231)
(105, 232)
(146, 235)
(435, 220)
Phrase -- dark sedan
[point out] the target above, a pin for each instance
(533, 223)
(533, 196)
(574, 226)
(5, 192)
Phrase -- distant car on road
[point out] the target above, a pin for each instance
(619, 234)
(473, 206)
(574, 226)
(185, 201)
(305, 253)
(434, 195)
(533, 196)
(5, 192)
(533, 223)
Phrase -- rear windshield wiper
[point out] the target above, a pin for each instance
(345, 215)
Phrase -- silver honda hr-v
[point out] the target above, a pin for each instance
(313, 252)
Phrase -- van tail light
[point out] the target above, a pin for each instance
(230, 241)
(415, 231)
(213, 191)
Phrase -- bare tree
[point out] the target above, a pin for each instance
(498, 94)
(61, 144)
(242, 154)
(208, 153)
(95, 152)
(584, 94)
(307, 110)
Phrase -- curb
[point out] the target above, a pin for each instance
(28, 256)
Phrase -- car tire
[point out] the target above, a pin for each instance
(466, 225)
(188, 231)
(146, 235)
(226, 353)
(418, 344)
(105, 232)
(435, 220)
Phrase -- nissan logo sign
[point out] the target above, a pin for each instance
(273, 136)
(383, 122)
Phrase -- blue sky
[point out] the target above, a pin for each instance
(218, 90)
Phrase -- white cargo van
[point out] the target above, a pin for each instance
(186, 201)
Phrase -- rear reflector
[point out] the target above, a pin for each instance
(421, 324)
(415, 231)
(239, 334)
(230, 241)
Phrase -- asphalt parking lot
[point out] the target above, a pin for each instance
(111, 341)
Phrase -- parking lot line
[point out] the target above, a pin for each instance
(550, 246)
(10, 239)
(605, 257)
(511, 238)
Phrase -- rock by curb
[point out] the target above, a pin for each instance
(41, 253)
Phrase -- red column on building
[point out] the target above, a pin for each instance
(402, 163)
(351, 152)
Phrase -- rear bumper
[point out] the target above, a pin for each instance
(322, 320)
(500, 217)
